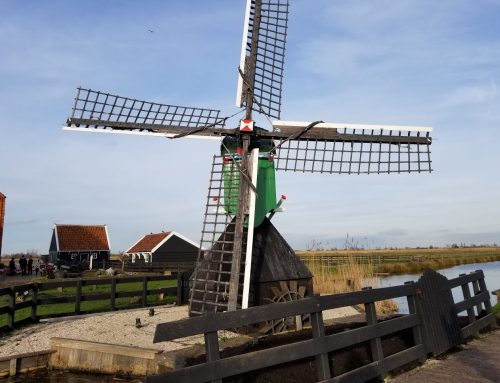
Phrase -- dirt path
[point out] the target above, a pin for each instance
(477, 362)
(116, 327)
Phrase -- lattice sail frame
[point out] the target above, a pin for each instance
(211, 278)
(270, 56)
(365, 154)
(95, 109)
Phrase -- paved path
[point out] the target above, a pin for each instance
(478, 362)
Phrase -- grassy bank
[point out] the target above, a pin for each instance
(402, 261)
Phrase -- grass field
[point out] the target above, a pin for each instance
(402, 261)
(90, 306)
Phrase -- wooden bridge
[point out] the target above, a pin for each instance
(432, 327)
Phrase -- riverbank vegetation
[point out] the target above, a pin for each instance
(401, 261)
(347, 277)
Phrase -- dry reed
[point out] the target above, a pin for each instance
(347, 277)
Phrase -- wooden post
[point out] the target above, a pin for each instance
(234, 280)
(78, 296)
(180, 289)
(487, 303)
(417, 330)
(371, 319)
(34, 302)
(212, 349)
(475, 288)
(144, 291)
(12, 308)
(13, 367)
(466, 293)
(113, 293)
(322, 363)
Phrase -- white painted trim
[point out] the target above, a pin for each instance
(185, 239)
(251, 222)
(127, 252)
(338, 125)
(57, 238)
(243, 54)
(107, 237)
(161, 242)
(135, 133)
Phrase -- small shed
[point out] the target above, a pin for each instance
(78, 244)
(168, 248)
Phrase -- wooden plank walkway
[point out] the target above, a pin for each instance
(477, 362)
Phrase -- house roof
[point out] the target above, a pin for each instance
(148, 242)
(81, 237)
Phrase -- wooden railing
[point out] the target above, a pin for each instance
(152, 267)
(422, 304)
(33, 295)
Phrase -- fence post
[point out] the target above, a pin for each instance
(475, 288)
(113, 293)
(34, 302)
(212, 348)
(144, 291)
(371, 319)
(412, 309)
(467, 296)
(12, 308)
(180, 289)
(318, 331)
(482, 286)
(78, 296)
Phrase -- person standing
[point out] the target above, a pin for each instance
(37, 267)
(12, 267)
(22, 264)
(30, 266)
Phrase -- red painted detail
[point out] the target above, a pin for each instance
(283, 196)
(216, 199)
(239, 150)
(246, 125)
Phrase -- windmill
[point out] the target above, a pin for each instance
(244, 261)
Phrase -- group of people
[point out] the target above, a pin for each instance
(26, 266)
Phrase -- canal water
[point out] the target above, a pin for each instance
(491, 275)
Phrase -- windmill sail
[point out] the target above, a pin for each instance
(211, 280)
(105, 112)
(266, 24)
(352, 148)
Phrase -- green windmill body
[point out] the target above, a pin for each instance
(265, 202)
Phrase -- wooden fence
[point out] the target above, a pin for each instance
(33, 295)
(152, 267)
(424, 308)
(378, 257)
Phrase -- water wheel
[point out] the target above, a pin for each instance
(286, 292)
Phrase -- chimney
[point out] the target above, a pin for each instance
(2, 216)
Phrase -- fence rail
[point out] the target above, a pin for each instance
(320, 346)
(378, 257)
(34, 295)
(151, 267)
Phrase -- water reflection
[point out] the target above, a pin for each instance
(491, 275)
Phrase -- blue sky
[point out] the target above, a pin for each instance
(409, 62)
